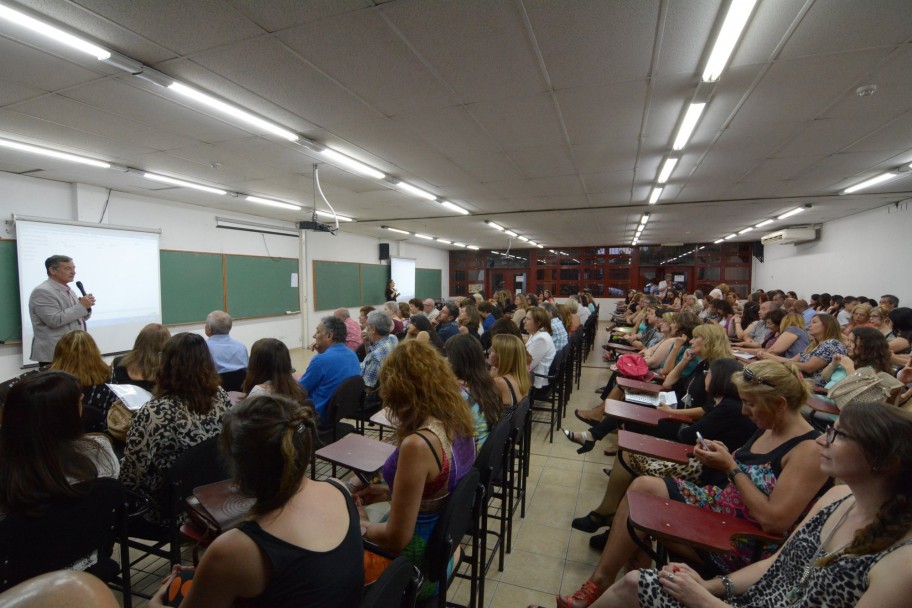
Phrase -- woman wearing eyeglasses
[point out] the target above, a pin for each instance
(771, 480)
(853, 548)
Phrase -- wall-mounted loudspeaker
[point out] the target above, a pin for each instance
(384, 251)
(758, 251)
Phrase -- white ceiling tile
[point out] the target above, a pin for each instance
(449, 129)
(895, 137)
(543, 161)
(586, 43)
(617, 183)
(765, 31)
(38, 69)
(282, 14)
(685, 36)
(587, 115)
(520, 122)
(15, 92)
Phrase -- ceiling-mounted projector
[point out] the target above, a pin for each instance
(316, 226)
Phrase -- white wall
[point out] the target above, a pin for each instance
(188, 227)
(365, 250)
(866, 254)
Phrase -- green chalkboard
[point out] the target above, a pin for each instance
(336, 285)
(261, 287)
(373, 284)
(10, 327)
(427, 283)
(192, 286)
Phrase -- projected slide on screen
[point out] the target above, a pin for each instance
(402, 271)
(119, 267)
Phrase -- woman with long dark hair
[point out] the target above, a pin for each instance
(44, 454)
(468, 362)
(269, 371)
(187, 409)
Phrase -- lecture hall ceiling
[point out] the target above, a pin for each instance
(549, 117)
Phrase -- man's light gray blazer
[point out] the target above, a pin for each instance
(53, 314)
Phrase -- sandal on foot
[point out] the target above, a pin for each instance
(592, 522)
(581, 439)
(584, 597)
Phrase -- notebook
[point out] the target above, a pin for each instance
(669, 398)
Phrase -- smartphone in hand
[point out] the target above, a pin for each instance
(703, 442)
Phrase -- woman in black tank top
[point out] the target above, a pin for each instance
(301, 545)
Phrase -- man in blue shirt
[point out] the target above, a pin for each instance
(228, 354)
(486, 310)
(446, 322)
(382, 343)
(333, 363)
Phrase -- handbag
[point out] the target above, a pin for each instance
(632, 366)
(119, 420)
(863, 385)
(216, 508)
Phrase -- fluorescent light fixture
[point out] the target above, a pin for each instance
(644, 219)
(396, 230)
(730, 236)
(884, 177)
(511, 233)
(424, 236)
(795, 211)
(472, 247)
(454, 207)
(552, 251)
(341, 218)
(667, 168)
(73, 158)
(407, 187)
(764, 223)
(232, 111)
(155, 177)
(688, 125)
(522, 238)
(266, 201)
(732, 28)
(494, 226)
(459, 244)
(350, 163)
(746, 230)
(445, 241)
(656, 193)
(54, 33)
(540, 246)
(718, 240)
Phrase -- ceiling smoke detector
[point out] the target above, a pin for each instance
(867, 90)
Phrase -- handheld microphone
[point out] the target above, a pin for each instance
(83, 292)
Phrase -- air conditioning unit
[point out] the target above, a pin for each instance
(789, 235)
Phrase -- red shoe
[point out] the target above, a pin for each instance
(584, 597)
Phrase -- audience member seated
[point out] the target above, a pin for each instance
(421, 329)
(44, 454)
(333, 363)
(139, 366)
(826, 340)
(404, 314)
(725, 316)
(865, 347)
(582, 313)
(361, 351)
(353, 330)
(76, 353)
(709, 343)
(509, 363)
(468, 363)
(228, 354)
(748, 320)
(430, 309)
(269, 371)
(435, 450)
(901, 318)
(771, 480)
(187, 409)
(860, 317)
(301, 545)
(879, 318)
(380, 343)
(392, 311)
(558, 329)
(446, 321)
(469, 320)
(540, 346)
(571, 321)
(791, 339)
(853, 548)
(755, 335)
(724, 421)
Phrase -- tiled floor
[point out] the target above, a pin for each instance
(548, 556)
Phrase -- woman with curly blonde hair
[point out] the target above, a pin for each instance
(436, 450)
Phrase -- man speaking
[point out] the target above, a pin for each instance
(55, 309)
